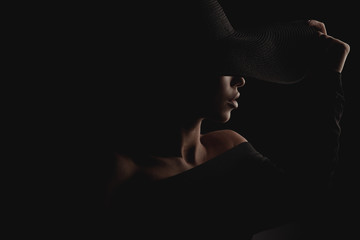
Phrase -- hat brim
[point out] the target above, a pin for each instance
(279, 53)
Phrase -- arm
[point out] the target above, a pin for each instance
(310, 154)
(312, 144)
(323, 98)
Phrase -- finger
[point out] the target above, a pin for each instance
(330, 41)
(335, 52)
(319, 26)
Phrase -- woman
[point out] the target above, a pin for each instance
(173, 180)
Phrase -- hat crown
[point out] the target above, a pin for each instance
(216, 24)
(196, 36)
(195, 20)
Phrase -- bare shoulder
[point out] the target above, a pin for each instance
(224, 137)
(125, 169)
(217, 142)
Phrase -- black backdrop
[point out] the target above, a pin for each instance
(260, 105)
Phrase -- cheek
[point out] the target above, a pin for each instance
(218, 102)
(221, 96)
(212, 99)
(219, 109)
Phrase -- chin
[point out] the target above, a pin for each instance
(223, 118)
(220, 116)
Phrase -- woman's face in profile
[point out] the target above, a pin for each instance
(221, 97)
(210, 97)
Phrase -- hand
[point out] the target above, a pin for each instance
(335, 51)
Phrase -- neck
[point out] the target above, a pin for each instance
(182, 141)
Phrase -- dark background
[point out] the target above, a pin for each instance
(69, 46)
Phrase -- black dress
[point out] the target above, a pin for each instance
(240, 192)
(236, 193)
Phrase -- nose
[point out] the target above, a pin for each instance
(237, 81)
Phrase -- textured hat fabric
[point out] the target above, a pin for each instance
(280, 52)
(197, 37)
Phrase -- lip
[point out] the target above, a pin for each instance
(236, 96)
(232, 102)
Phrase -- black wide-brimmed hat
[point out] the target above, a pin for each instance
(177, 37)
